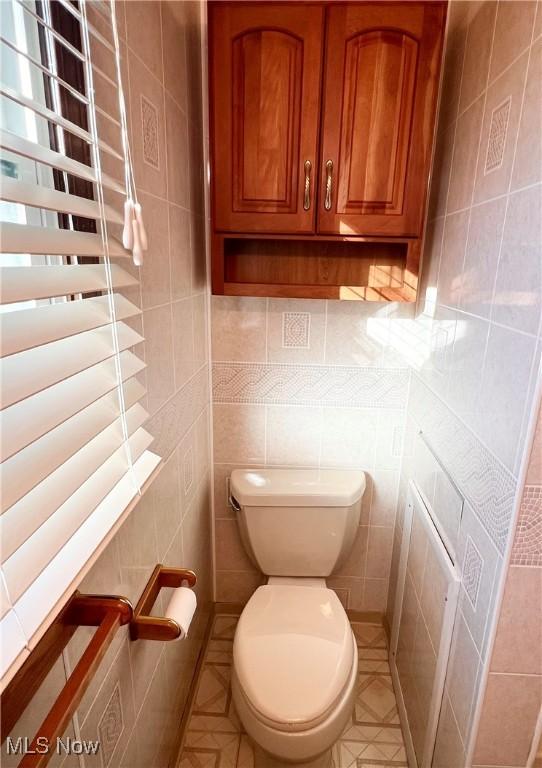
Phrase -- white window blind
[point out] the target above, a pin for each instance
(74, 451)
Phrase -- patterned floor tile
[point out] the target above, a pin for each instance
(223, 745)
(220, 651)
(196, 759)
(380, 654)
(375, 702)
(221, 724)
(224, 627)
(213, 695)
(372, 738)
(246, 753)
(370, 635)
(374, 666)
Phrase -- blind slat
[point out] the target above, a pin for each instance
(26, 283)
(46, 241)
(27, 562)
(62, 40)
(30, 371)
(41, 154)
(46, 71)
(30, 328)
(20, 522)
(28, 420)
(30, 466)
(35, 609)
(54, 117)
(14, 191)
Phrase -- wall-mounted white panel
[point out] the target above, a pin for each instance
(425, 605)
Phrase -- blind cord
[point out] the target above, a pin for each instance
(134, 236)
(104, 235)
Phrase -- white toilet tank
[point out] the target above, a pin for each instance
(297, 522)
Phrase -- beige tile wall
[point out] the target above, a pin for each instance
(515, 671)
(478, 326)
(135, 701)
(310, 383)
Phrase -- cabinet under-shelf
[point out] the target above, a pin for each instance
(321, 267)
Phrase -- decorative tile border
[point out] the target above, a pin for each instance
(487, 484)
(528, 542)
(275, 384)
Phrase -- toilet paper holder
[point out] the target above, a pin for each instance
(146, 627)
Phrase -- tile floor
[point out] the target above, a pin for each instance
(215, 737)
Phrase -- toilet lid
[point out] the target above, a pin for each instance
(293, 654)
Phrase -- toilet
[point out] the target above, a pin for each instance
(294, 653)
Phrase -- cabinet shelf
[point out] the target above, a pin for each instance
(325, 268)
(340, 292)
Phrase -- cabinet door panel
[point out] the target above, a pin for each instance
(266, 69)
(380, 70)
(380, 95)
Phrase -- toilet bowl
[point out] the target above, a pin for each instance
(294, 653)
(294, 669)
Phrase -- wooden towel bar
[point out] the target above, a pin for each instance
(104, 612)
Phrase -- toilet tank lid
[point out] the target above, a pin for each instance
(297, 487)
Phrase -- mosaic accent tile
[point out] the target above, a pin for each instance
(527, 548)
(110, 727)
(371, 739)
(497, 135)
(472, 571)
(276, 384)
(482, 479)
(296, 327)
(149, 130)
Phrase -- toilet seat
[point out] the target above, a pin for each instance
(293, 656)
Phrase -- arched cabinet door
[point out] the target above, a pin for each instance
(265, 92)
(381, 81)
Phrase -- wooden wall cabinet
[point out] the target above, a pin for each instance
(322, 120)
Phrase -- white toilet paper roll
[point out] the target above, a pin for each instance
(181, 608)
